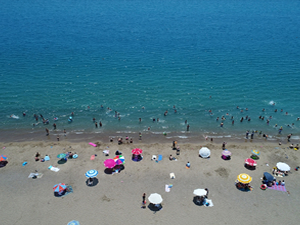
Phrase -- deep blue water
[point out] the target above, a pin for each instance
(58, 57)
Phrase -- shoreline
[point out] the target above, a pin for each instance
(147, 137)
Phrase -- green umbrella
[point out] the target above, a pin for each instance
(61, 155)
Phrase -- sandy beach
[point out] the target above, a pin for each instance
(117, 198)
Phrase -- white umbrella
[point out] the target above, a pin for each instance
(204, 152)
(283, 166)
(200, 192)
(155, 198)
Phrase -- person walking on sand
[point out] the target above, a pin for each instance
(47, 131)
(188, 165)
(144, 201)
(57, 138)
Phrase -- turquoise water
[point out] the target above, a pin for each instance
(58, 57)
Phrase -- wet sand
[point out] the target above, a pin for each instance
(117, 198)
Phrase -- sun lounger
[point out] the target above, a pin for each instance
(172, 175)
(106, 152)
(55, 169)
(208, 203)
(167, 188)
(35, 175)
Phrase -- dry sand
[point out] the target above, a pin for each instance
(117, 199)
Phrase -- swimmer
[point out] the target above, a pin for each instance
(148, 128)
(286, 113)
(221, 125)
(24, 114)
(186, 121)
(249, 119)
(153, 119)
(281, 110)
(175, 111)
(237, 107)
(232, 122)
(275, 110)
(140, 119)
(157, 119)
(246, 109)
(217, 119)
(101, 106)
(100, 124)
(263, 110)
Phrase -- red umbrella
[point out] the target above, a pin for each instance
(137, 151)
(250, 162)
(109, 163)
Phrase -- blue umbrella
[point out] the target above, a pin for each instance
(91, 173)
(73, 222)
(268, 177)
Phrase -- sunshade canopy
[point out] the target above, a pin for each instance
(155, 198)
(244, 178)
(204, 152)
(283, 166)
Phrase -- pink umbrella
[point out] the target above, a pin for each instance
(109, 163)
(250, 162)
(137, 151)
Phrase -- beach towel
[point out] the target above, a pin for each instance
(278, 188)
(92, 157)
(47, 158)
(208, 203)
(159, 157)
(70, 190)
(167, 188)
(55, 169)
(92, 144)
(38, 175)
(172, 175)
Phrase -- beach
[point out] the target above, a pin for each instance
(117, 198)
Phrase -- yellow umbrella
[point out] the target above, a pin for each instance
(244, 178)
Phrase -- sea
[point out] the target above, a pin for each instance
(120, 61)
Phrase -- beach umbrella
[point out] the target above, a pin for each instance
(109, 163)
(268, 176)
(119, 159)
(204, 152)
(91, 173)
(59, 187)
(255, 152)
(3, 157)
(283, 166)
(155, 198)
(200, 192)
(226, 152)
(73, 222)
(244, 178)
(61, 155)
(137, 151)
(251, 162)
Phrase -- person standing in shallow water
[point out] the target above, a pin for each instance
(47, 131)
(188, 127)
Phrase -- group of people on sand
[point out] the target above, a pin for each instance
(121, 141)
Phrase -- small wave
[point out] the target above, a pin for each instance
(182, 137)
(272, 103)
(78, 132)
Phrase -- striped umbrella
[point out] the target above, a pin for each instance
(244, 178)
(91, 173)
(59, 187)
(119, 159)
(109, 163)
(226, 152)
(250, 162)
(3, 157)
(255, 152)
(137, 151)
